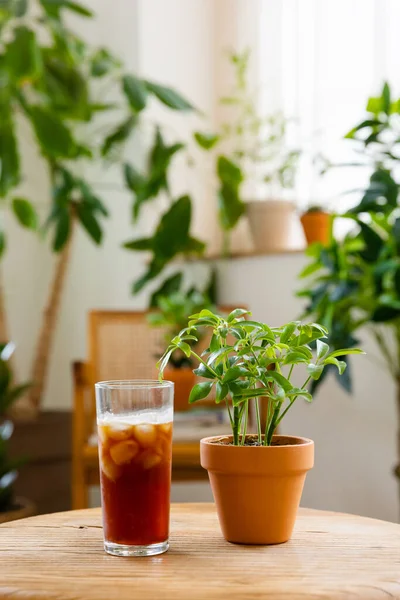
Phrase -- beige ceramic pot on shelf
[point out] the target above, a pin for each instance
(270, 224)
(257, 489)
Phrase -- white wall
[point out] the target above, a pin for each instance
(355, 436)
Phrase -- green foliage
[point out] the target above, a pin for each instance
(356, 282)
(248, 359)
(52, 77)
(9, 393)
(172, 237)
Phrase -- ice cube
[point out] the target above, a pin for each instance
(150, 459)
(145, 433)
(108, 466)
(123, 452)
(119, 430)
(166, 427)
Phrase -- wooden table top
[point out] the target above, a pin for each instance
(331, 555)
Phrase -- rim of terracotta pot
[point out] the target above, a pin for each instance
(296, 455)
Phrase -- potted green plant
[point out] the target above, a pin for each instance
(257, 479)
(255, 165)
(316, 224)
(172, 313)
(11, 508)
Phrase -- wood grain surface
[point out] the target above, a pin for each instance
(60, 557)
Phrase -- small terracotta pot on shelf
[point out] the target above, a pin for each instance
(257, 489)
(184, 380)
(316, 225)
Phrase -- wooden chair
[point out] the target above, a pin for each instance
(122, 345)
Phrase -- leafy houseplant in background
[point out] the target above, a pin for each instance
(316, 224)
(54, 84)
(10, 507)
(257, 480)
(253, 158)
(172, 313)
(355, 282)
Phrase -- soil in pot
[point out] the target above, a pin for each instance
(316, 226)
(184, 380)
(257, 489)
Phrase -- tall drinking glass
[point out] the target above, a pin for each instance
(134, 421)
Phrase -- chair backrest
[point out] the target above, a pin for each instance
(123, 345)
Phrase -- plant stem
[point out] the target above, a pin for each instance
(229, 412)
(257, 407)
(236, 425)
(206, 365)
(273, 426)
(246, 418)
(291, 402)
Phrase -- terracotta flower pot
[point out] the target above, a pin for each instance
(23, 508)
(184, 380)
(316, 225)
(257, 489)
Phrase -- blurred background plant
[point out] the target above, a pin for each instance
(9, 393)
(173, 312)
(254, 156)
(356, 281)
(53, 92)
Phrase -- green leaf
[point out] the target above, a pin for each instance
(54, 137)
(2, 243)
(206, 140)
(63, 227)
(230, 207)
(77, 8)
(300, 393)
(237, 313)
(322, 349)
(287, 332)
(203, 371)
(200, 391)
(172, 232)
(89, 222)
(280, 380)
(20, 7)
(23, 57)
(228, 171)
(155, 268)
(315, 370)
(386, 98)
(168, 96)
(136, 92)
(340, 364)
(169, 286)
(373, 243)
(25, 213)
(102, 63)
(221, 392)
(194, 246)
(134, 180)
(294, 358)
(9, 159)
(185, 348)
(345, 352)
(310, 269)
(234, 373)
(119, 135)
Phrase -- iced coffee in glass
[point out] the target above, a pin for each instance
(134, 421)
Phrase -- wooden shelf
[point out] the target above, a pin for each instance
(247, 254)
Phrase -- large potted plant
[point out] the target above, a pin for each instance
(257, 479)
(11, 508)
(354, 282)
(255, 165)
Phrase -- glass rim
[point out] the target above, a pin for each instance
(133, 384)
